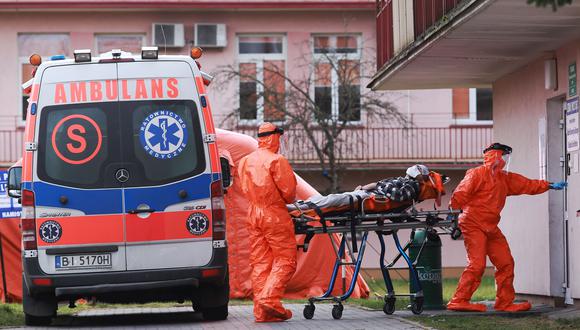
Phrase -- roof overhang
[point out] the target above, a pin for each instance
(479, 43)
(34, 5)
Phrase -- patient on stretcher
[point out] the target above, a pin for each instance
(418, 185)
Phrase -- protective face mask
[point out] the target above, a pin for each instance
(507, 159)
(283, 145)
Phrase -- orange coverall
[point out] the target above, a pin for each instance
(482, 195)
(269, 183)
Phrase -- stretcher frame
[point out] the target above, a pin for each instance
(382, 223)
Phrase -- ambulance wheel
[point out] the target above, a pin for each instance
(337, 311)
(389, 306)
(32, 320)
(308, 311)
(38, 310)
(215, 313)
(417, 305)
(456, 233)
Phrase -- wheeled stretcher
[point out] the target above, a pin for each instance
(361, 218)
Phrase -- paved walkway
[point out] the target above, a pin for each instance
(240, 317)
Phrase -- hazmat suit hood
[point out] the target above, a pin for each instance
(270, 142)
(493, 159)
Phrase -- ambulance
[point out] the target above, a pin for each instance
(121, 184)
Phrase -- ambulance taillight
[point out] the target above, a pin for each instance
(218, 211)
(28, 220)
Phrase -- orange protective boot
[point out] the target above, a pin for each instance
(275, 316)
(519, 307)
(466, 307)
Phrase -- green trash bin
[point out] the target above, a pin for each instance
(428, 268)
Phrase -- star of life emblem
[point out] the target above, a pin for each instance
(163, 134)
(50, 231)
(197, 223)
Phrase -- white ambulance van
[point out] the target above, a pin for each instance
(121, 185)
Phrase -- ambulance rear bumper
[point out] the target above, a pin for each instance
(95, 284)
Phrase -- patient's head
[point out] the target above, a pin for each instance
(418, 172)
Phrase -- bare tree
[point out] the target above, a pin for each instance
(321, 100)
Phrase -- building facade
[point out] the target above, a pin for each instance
(528, 56)
(449, 126)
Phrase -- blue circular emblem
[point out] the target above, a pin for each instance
(163, 134)
(50, 231)
(197, 223)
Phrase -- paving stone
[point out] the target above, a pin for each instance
(240, 317)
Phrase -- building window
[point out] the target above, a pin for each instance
(45, 45)
(126, 42)
(337, 89)
(262, 65)
(473, 105)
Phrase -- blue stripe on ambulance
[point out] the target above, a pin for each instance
(160, 197)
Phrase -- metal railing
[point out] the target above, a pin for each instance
(393, 145)
(425, 14)
(11, 139)
(354, 145)
(385, 46)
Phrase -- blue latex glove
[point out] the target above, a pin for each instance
(559, 185)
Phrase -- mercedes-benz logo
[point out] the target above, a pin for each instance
(122, 175)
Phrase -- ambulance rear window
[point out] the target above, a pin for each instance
(75, 144)
(163, 140)
(84, 145)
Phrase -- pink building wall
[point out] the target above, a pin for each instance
(298, 26)
(520, 102)
(428, 108)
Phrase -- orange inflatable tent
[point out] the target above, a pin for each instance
(11, 272)
(314, 267)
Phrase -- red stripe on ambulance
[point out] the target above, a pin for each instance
(162, 226)
(82, 229)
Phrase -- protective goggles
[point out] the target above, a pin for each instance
(506, 150)
(278, 130)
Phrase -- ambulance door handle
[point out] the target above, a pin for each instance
(138, 211)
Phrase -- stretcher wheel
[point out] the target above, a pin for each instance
(308, 311)
(455, 233)
(337, 311)
(417, 305)
(389, 306)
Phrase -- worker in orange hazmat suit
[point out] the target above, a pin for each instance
(269, 183)
(482, 195)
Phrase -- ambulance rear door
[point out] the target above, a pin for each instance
(79, 202)
(167, 188)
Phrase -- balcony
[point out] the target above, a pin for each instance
(383, 147)
(475, 43)
(363, 147)
(401, 22)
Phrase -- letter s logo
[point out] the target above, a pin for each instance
(71, 132)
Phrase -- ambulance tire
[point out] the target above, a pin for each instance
(215, 313)
(38, 311)
(31, 320)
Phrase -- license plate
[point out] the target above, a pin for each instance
(83, 261)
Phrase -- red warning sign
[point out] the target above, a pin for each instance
(78, 141)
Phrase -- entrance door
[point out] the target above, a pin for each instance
(555, 156)
(573, 200)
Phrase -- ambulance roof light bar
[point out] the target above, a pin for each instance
(82, 55)
(149, 53)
